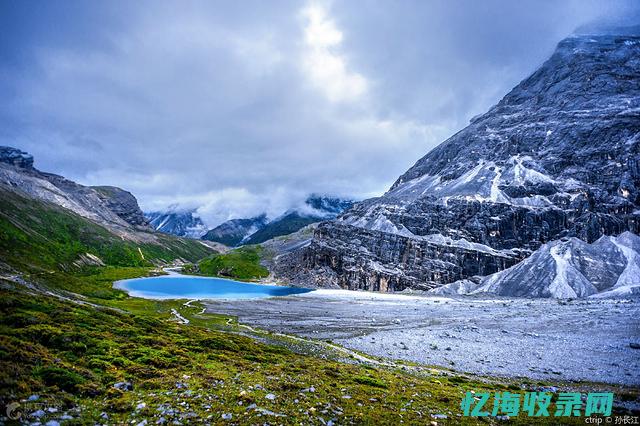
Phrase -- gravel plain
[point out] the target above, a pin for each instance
(586, 340)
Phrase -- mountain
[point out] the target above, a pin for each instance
(69, 340)
(257, 230)
(108, 205)
(325, 207)
(235, 231)
(286, 224)
(565, 268)
(557, 157)
(183, 223)
(51, 223)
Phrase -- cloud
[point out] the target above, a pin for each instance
(326, 68)
(237, 109)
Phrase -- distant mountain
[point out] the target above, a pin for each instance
(565, 269)
(327, 207)
(184, 223)
(557, 157)
(258, 229)
(235, 231)
(283, 225)
(315, 209)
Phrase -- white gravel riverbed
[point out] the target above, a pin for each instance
(588, 340)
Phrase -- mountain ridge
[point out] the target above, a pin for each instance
(568, 268)
(110, 205)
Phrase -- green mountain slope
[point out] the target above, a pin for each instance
(287, 224)
(36, 235)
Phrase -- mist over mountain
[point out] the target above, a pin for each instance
(259, 229)
(177, 221)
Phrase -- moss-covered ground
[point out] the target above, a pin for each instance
(72, 353)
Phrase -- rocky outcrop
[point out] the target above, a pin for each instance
(15, 157)
(122, 203)
(557, 157)
(345, 256)
(277, 247)
(87, 259)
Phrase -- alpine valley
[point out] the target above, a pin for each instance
(505, 262)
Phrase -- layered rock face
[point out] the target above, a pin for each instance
(559, 156)
(122, 203)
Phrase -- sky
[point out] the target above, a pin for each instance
(242, 107)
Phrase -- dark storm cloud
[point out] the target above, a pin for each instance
(238, 107)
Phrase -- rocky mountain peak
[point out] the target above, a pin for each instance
(550, 113)
(184, 222)
(16, 157)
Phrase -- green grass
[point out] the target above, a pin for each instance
(241, 263)
(72, 354)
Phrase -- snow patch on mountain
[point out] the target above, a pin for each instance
(177, 221)
(379, 222)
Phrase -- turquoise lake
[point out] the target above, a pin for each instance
(190, 287)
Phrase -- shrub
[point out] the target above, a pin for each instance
(370, 381)
(219, 343)
(62, 378)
